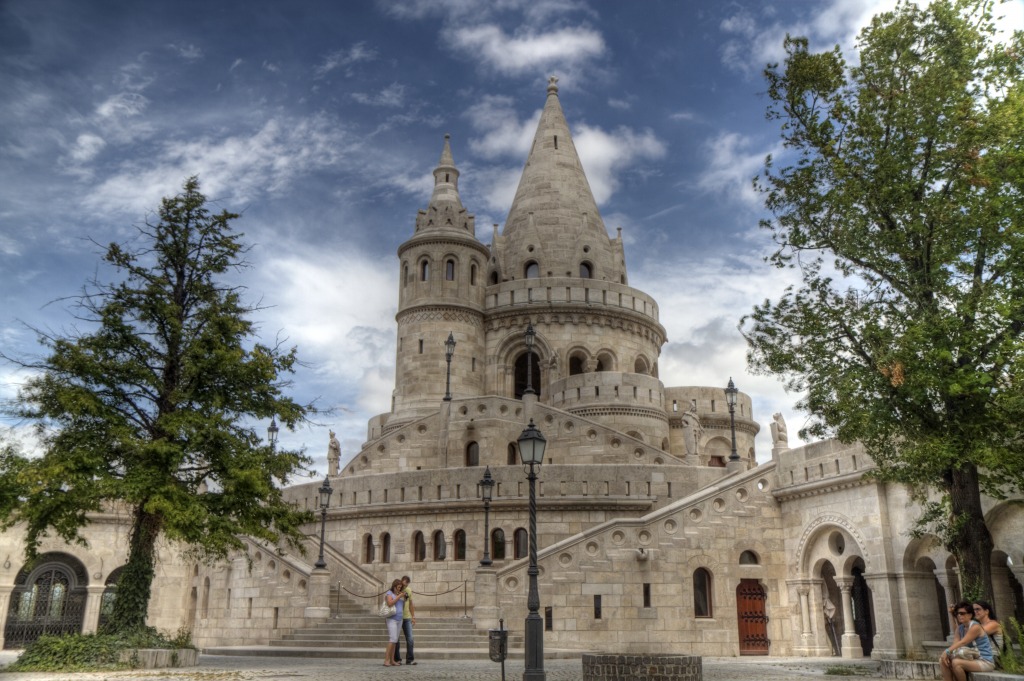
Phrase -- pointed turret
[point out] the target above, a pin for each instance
(441, 293)
(445, 211)
(554, 222)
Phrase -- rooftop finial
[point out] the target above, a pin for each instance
(553, 85)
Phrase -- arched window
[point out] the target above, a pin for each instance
(459, 544)
(206, 598)
(532, 360)
(702, 606)
(748, 558)
(494, 278)
(405, 274)
(472, 454)
(532, 270)
(575, 365)
(472, 275)
(449, 270)
(419, 547)
(586, 271)
(513, 454)
(109, 596)
(640, 366)
(520, 543)
(498, 544)
(440, 551)
(424, 270)
(385, 548)
(368, 549)
(49, 599)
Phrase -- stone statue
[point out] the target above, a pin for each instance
(333, 454)
(780, 437)
(692, 431)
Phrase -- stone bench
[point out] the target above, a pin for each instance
(641, 667)
(914, 669)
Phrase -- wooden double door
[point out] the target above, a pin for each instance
(752, 617)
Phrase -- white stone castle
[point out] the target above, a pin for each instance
(657, 529)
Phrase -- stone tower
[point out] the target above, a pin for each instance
(441, 291)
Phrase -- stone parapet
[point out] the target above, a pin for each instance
(612, 667)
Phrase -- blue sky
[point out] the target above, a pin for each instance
(321, 122)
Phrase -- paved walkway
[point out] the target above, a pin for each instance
(235, 668)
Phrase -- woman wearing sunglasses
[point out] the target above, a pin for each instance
(969, 634)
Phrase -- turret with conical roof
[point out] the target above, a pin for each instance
(554, 228)
(441, 291)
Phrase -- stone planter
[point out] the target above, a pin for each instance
(158, 658)
(605, 667)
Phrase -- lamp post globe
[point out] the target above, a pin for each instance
(272, 431)
(531, 450)
(325, 501)
(449, 350)
(486, 493)
(731, 393)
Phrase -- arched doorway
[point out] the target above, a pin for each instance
(752, 617)
(863, 619)
(832, 607)
(521, 364)
(48, 598)
(109, 596)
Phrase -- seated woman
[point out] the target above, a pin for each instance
(986, 616)
(969, 634)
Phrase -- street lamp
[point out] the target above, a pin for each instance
(272, 431)
(449, 350)
(325, 501)
(531, 451)
(530, 334)
(487, 491)
(730, 398)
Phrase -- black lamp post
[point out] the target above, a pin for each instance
(449, 350)
(730, 398)
(531, 450)
(487, 492)
(530, 334)
(325, 501)
(272, 431)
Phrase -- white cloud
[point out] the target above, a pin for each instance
(504, 133)
(235, 64)
(271, 66)
(682, 116)
(86, 147)
(731, 166)
(342, 59)
(188, 52)
(392, 95)
(529, 50)
(604, 155)
(122, 105)
(621, 104)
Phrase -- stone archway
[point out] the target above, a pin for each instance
(863, 612)
(48, 598)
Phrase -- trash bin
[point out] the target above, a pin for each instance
(498, 640)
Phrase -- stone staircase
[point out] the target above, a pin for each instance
(355, 633)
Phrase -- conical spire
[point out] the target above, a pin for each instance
(445, 210)
(554, 221)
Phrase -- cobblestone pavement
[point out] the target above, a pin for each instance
(231, 668)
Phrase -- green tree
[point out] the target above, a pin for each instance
(148, 410)
(900, 204)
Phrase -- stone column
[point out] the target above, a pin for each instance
(1002, 594)
(805, 611)
(91, 616)
(943, 577)
(850, 645)
(5, 602)
(890, 637)
(319, 595)
(485, 599)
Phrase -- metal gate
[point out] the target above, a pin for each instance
(753, 622)
(47, 601)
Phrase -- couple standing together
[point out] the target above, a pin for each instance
(400, 596)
